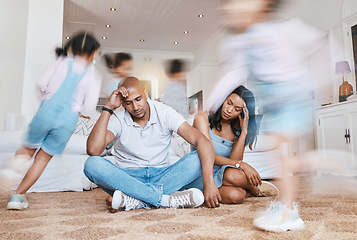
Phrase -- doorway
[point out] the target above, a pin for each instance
(354, 45)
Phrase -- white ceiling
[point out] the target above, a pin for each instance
(159, 22)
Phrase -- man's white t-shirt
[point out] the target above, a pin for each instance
(137, 147)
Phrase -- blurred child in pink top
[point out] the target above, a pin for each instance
(68, 87)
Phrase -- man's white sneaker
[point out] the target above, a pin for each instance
(189, 198)
(17, 202)
(279, 218)
(121, 202)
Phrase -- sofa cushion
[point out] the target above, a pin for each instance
(77, 144)
(10, 141)
(264, 143)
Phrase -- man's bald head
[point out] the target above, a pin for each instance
(135, 102)
(132, 83)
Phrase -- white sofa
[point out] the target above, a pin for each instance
(63, 173)
(263, 157)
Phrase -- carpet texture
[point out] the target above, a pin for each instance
(328, 207)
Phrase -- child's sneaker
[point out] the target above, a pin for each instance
(279, 218)
(121, 202)
(267, 189)
(17, 202)
(189, 198)
(12, 172)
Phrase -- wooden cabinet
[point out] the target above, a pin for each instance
(336, 129)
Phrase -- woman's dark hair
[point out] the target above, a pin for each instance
(116, 60)
(248, 97)
(81, 44)
(176, 66)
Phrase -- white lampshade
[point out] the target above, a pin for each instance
(342, 67)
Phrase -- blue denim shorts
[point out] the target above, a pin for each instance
(50, 130)
(218, 172)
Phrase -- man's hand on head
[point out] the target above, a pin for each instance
(123, 91)
(115, 98)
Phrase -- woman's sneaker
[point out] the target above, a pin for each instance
(267, 189)
(17, 202)
(279, 218)
(189, 198)
(121, 202)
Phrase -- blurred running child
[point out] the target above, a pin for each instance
(175, 93)
(121, 65)
(272, 57)
(68, 87)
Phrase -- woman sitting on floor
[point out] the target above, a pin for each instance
(231, 128)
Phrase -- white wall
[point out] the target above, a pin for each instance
(323, 14)
(148, 65)
(13, 28)
(44, 34)
(337, 54)
(31, 29)
(326, 15)
(208, 52)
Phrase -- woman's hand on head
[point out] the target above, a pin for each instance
(243, 122)
(115, 98)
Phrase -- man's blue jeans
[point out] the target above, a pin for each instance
(145, 184)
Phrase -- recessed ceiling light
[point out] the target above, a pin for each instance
(104, 38)
(68, 37)
(113, 9)
(141, 40)
(200, 15)
(175, 42)
(107, 26)
(185, 32)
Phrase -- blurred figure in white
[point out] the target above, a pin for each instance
(175, 96)
(272, 57)
(121, 65)
(175, 93)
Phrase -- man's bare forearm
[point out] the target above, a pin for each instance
(206, 153)
(97, 139)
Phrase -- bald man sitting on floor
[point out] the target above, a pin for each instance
(141, 176)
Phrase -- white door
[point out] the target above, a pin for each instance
(352, 131)
(331, 127)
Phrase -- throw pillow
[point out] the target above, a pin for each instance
(84, 126)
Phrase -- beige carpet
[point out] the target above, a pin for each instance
(329, 209)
